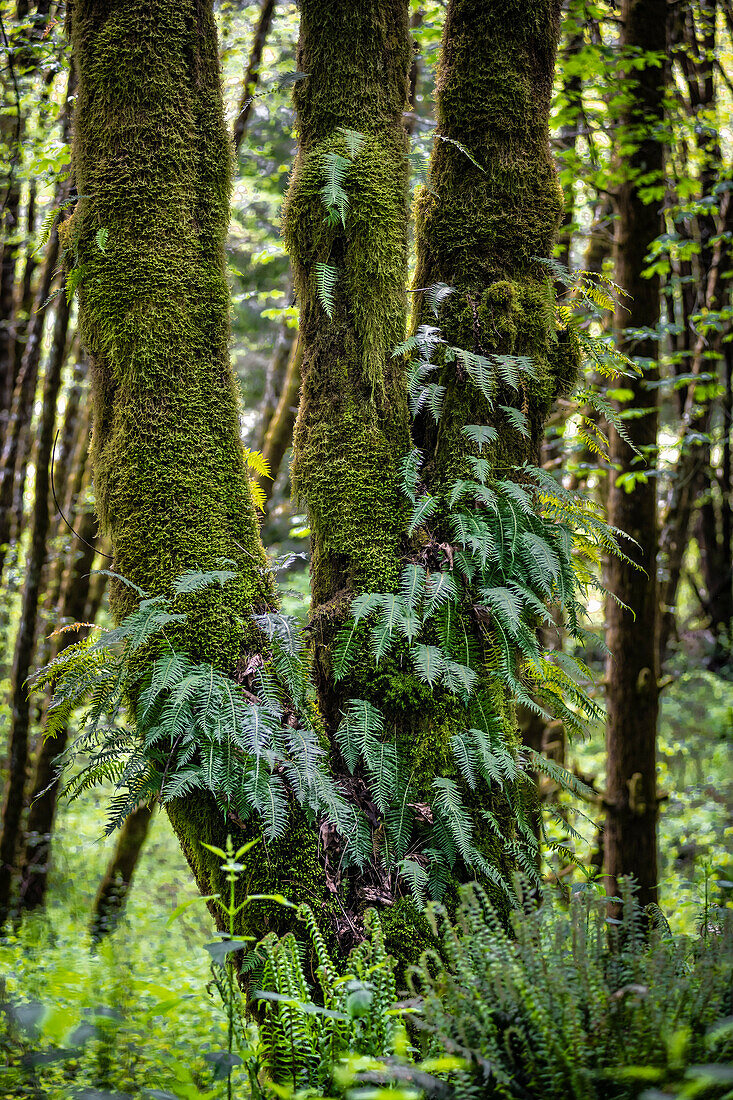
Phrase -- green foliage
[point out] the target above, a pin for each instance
(354, 1014)
(194, 728)
(520, 542)
(569, 1004)
(326, 280)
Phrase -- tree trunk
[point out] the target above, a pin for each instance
(44, 796)
(25, 640)
(705, 292)
(163, 389)
(252, 75)
(632, 673)
(23, 399)
(280, 431)
(171, 486)
(115, 885)
(10, 249)
(481, 228)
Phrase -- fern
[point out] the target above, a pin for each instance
(359, 730)
(335, 169)
(326, 280)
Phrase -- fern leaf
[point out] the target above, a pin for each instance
(429, 663)
(517, 419)
(412, 584)
(424, 508)
(326, 279)
(480, 434)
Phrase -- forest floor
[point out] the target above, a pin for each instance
(147, 1012)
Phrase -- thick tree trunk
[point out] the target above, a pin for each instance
(25, 640)
(632, 674)
(481, 228)
(115, 885)
(170, 480)
(353, 426)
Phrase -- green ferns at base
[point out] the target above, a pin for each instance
(568, 1005)
(307, 1038)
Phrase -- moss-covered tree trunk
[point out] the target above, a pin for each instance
(485, 223)
(484, 228)
(632, 692)
(353, 426)
(152, 158)
(152, 163)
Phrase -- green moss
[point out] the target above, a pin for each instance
(152, 164)
(406, 935)
(290, 866)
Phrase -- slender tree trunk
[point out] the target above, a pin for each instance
(252, 75)
(23, 399)
(275, 378)
(26, 302)
(8, 267)
(70, 504)
(280, 431)
(44, 796)
(632, 674)
(24, 644)
(706, 290)
(115, 885)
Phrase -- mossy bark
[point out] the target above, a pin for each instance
(483, 228)
(353, 424)
(484, 224)
(152, 160)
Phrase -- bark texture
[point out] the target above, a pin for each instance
(632, 674)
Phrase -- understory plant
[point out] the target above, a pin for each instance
(571, 1003)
